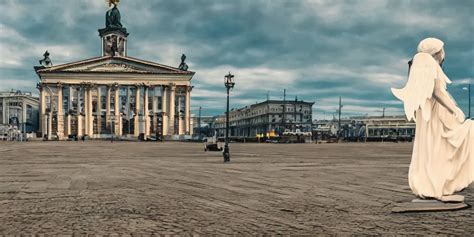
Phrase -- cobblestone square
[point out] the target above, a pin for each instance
(99, 187)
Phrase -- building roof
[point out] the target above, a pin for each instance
(275, 102)
(113, 64)
(18, 94)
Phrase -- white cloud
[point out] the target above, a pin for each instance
(463, 81)
(7, 84)
(258, 78)
(13, 9)
(16, 50)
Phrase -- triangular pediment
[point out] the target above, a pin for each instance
(108, 67)
(115, 64)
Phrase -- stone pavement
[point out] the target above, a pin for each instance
(98, 187)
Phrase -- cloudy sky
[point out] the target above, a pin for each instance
(316, 49)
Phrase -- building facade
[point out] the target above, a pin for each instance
(202, 126)
(380, 128)
(114, 94)
(268, 117)
(366, 128)
(19, 111)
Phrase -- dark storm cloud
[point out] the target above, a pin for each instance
(317, 50)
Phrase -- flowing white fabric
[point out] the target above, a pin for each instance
(443, 153)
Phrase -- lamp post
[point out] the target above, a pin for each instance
(199, 124)
(468, 88)
(229, 84)
(339, 120)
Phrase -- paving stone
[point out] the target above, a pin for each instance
(103, 188)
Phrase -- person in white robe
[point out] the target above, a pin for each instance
(442, 161)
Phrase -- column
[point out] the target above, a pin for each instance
(188, 111)
(128, 111)
(146, 113)
(79, 126)
(191, 126)
(50, 120)
(99, 110)
(79, 113)
(90, 117)
(60, 114)
(107, 109)
(117, 128)
(68, 125)
(120, 126)
(137, 111)
(68, 117)
(154, 109)
(86, 111)
(171, 109)
(164, 109)
(181, 123)
(42, 116)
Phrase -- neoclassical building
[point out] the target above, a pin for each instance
(114, 94)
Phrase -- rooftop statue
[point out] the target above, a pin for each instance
(46, 61)
(442, 161)
(112, 17)
(183, 66)
(113, 20)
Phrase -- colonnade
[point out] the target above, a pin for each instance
(85, 113)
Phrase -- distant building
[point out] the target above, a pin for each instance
(386, 128)
(18, 111)
(366, 128)
(265, 118)
(203, 125)
(325, 129)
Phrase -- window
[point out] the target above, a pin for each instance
(47, 102)
(74, 100)
(94, 105)
(160, 103)
(103, 102)
(65, 103)
(132, 101)
(112, 102)
(123, 100)
(150, 103)
(29, 111)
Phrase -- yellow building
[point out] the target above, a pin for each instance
(114, 94)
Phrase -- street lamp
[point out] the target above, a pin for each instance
(229, 84)
(199, 124)
(339, 121)
(468, 88)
